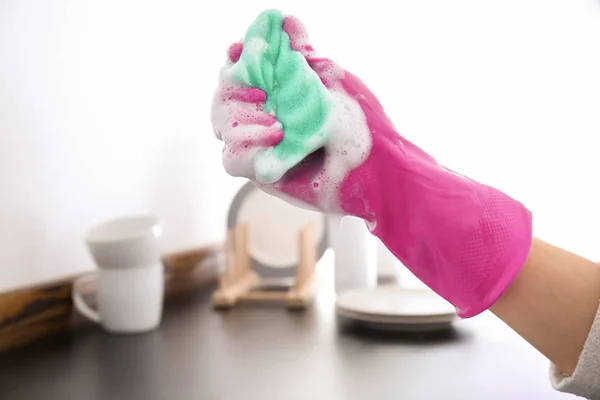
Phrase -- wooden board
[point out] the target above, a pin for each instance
(39, 311)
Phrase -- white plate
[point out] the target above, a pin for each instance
(395, 305)
(273, 227)
(395, 326)
(400, 320)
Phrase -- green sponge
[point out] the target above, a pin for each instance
(295, 94)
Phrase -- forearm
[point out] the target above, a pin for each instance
(464, 240)
(552, 303)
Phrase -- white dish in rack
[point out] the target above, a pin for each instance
(273, 227)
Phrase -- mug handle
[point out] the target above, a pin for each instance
(80, 304)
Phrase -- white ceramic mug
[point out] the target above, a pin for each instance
(130, 275)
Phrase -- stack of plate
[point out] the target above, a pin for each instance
(396, 309)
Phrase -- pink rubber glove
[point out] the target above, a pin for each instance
(465, 240)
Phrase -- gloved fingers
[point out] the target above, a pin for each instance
(329, 72)
(235, 51)
(244, 127)
(299, 39)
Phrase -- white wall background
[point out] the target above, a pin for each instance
(104, 109)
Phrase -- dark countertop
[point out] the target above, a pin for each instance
(269, 353)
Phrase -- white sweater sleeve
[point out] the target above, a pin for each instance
(585, 381)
